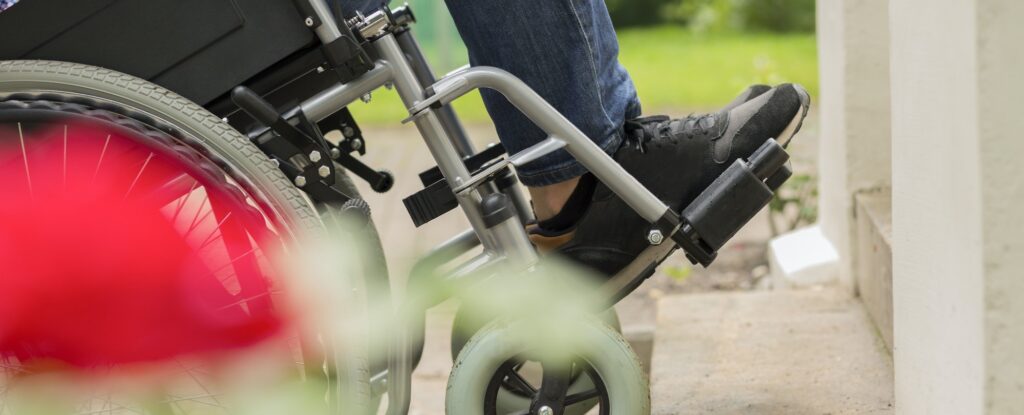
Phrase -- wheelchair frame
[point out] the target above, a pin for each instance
(396, 60)
(369, 52)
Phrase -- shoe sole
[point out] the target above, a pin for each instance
(798, 121)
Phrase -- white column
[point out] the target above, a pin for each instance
(958, 205)
(854, 144)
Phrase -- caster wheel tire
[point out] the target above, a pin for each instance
(489, 376)
(513, 396)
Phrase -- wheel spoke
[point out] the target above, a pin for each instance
(24, 155)
(215, 232)
(581, 397)
(137, 176)
(515, 379)
(64, 172)
(100, 162)
(175, 189)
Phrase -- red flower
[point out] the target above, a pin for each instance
(94, 271)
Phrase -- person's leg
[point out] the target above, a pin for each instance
(566, 50)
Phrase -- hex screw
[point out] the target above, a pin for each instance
(366, 98)
(324, 171)
(655, 237)
(348, 131)
(300, 181)
(545, 410)
(357, 144)
(335, 153)
(314, 156)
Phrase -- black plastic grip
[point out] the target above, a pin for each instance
(767, 159)
(728, 204)
(254, 105)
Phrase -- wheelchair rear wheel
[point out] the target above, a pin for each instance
(211, 183)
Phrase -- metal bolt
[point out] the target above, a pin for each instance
(324, 171)
(655, 237)
(309, 21)
(357, 144)
(320, 69)
(314, 156)
(300, 181)
(366, 98)
(545, 410)
(276, 163)
(389, 85)
(348, 131)
(335, 153)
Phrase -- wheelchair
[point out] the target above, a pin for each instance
(241, 92)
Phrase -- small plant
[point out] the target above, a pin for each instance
(795, 204)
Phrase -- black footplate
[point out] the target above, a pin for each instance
(730, 202)
(437, 198)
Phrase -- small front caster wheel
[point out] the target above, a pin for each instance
(499, 365)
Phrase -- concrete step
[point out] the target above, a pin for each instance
(873, 266)
(773, 352)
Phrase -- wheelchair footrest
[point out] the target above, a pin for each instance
(437, 198)
(730, 202)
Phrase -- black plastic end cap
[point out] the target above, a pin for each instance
(386, 182)
(496, 209)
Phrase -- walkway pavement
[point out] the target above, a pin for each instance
(724, 353)
(775, 352)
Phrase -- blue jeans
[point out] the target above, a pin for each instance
(566, 50)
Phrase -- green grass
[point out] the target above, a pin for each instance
(673, 68)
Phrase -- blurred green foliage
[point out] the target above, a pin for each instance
(717, 15)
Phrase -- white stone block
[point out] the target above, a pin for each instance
(802, 258)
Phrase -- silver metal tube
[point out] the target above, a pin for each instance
(335, 98)
(328, 29)
(522, 204)
(474, 264)
(512, 238)
(433, 132)
(426, 77)
(555, 124)
(447, 251)
(411, 92)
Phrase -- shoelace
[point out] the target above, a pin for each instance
(641, 133)
(694, 123)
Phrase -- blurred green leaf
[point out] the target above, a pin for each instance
(678, 273)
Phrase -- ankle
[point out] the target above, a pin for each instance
(559, 207)
(549, 200)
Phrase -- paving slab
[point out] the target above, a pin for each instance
(775, 352)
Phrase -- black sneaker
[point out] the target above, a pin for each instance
(675, 160)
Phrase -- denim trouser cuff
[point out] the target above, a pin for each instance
(547, 173)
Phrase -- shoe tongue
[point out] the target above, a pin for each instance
(574, 208)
